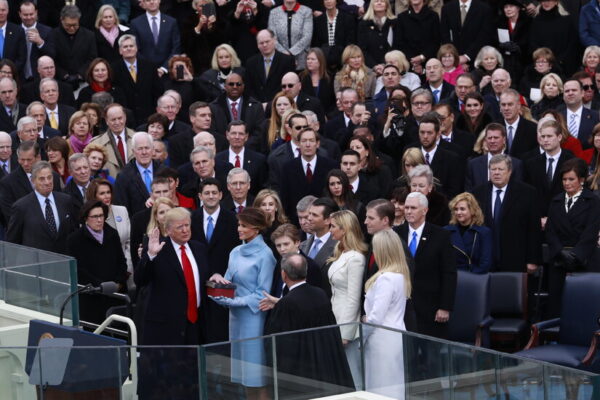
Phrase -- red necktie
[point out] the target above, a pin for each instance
(121, 149)
(371, 261)
(192, 306)
(309, 174)
(240, 209)
(237, 162)
(462, 107)
(234, 112)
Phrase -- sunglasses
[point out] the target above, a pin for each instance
(300, 127)
(587, 87)
(232, 84)
(287, 86)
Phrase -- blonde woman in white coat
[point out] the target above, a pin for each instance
(385, 303)
(345, 277)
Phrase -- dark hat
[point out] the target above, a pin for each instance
(517, 3)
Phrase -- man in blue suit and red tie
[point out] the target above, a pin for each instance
(157, 35)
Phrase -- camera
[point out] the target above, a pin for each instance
(179, 72)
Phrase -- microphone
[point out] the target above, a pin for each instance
(105, 288)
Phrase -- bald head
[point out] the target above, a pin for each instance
(290, 84)
(46, 67)
(500, 81)
(434, 72)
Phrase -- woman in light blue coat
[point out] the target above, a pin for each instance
(250, 268)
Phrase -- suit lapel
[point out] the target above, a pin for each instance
(172, 254)
(422, 247)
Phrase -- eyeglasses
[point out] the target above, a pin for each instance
(232, 84)
(288, 86)
(585, 87)
(421, 103)
(300, 127)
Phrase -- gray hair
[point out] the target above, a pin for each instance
(127, 36)
(14, 83)
(421, 170)
(199, 135)
(33, 104)
(488, 49)
(70, 12)
(305, 203)
(511, 92)
(25, 120)
(236, 171)
(76, 157)
(39, 166)
(202, 149)
(28, 145)
(295, 266)
(138, 136)
(310, 116)
(5, 135)
(423, 202)
(421, 92)
(46, 80)
(498, 158)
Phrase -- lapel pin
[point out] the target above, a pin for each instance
(423, 238)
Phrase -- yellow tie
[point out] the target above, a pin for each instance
(53, 122)
(133, 73)
(267, 66)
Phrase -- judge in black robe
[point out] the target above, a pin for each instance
(318, 355)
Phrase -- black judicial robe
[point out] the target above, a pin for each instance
(317, 355)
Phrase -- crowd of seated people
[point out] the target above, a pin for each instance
(470, 128)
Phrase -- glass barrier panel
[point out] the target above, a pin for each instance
(565, 383)
(238, 369)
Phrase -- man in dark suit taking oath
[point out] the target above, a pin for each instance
(434, 281)
(175, 270)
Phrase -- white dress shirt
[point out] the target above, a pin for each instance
(42, 200)
(313, 164)
(494, 194)
(419, 232)
(214, 215)
(578, 112)
(232, 156)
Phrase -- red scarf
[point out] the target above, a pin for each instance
(97, 88)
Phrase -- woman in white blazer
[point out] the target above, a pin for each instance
(345, 277)
(385, 303)
(118, 218)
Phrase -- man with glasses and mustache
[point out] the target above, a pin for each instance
(233, 105)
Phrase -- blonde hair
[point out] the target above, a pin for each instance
(356, 80)
(389, 255)
(353, 237)
(588, 50)
(412, 155)
(476, 213)
(279, 214)
(275, 122)
(370, 13)
(153, 218)
(101, 11)
(546, 78)
(235, 60)
(400, 57)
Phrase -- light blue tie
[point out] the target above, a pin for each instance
(148, 180)
(209, 228)
(573, 125)
(1, 43)
(436, 95)
(315, 250)
(413, 244)
(154, 30)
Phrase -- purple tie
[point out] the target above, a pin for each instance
(154, 30)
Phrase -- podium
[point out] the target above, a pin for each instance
(68, 363)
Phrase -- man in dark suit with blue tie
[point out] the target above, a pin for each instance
(240, 156)
(580, 120)
(216, 228)
(157, 35)
(174, 270)
(434, 280)
(44, 218)
(439, 88)
(306, 174)
(510, 209)
(12, 39)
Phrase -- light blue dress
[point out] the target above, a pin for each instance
(250, 268)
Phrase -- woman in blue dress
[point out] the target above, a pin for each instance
(250, 268)
(471, 240)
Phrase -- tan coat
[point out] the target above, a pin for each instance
(114, 163)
